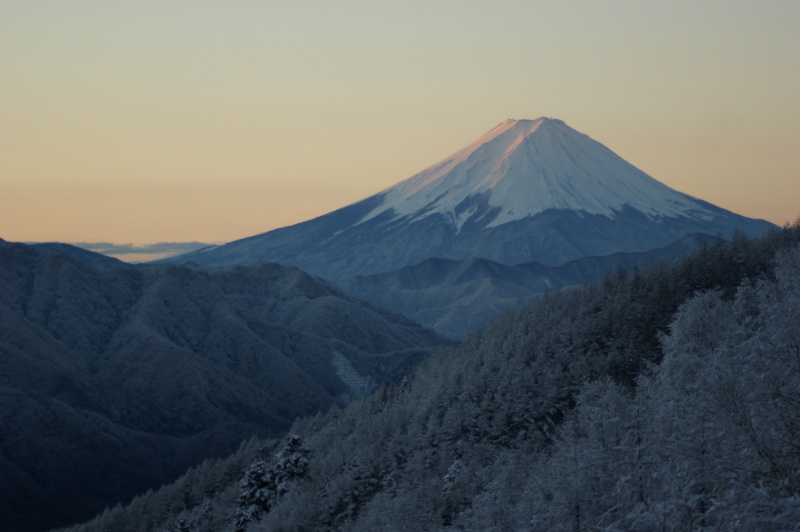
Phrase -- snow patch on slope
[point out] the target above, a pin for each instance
(529, 166)
(358, 384)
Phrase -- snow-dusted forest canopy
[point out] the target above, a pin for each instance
(114, 380)
(664, 399)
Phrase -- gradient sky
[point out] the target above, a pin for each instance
(143, 121)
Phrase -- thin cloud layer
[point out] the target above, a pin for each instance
(127, 251)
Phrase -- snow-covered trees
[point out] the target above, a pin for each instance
(660, 400)
(709, 440)
(265, 482)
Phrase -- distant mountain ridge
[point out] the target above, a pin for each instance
(113, 381)
(528, 190)
(90, 258)
(458, 297)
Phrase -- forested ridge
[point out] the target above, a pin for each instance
(664, 399)
(114, 380)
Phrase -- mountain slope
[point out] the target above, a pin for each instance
(528, 190)
(90, 258)
(456, 297)
(113, 382)
(526, 167)
(660, 400)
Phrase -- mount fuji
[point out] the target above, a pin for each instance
(527, 190)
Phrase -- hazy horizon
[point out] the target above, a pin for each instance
(145, 122)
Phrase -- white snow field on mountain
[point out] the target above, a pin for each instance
(528, 167)
(528, 190)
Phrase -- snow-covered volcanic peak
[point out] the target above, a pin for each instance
(525, 167)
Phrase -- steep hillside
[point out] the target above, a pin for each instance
(115, 381)
(661, 400)
(528, 190)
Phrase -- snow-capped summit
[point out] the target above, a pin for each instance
(527, 190)
(525, 167)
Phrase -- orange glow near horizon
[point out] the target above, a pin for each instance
(147, 122)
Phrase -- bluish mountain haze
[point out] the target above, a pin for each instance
(456, 297)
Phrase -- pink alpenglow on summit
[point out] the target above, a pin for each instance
(529, 166)
(528, 190)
